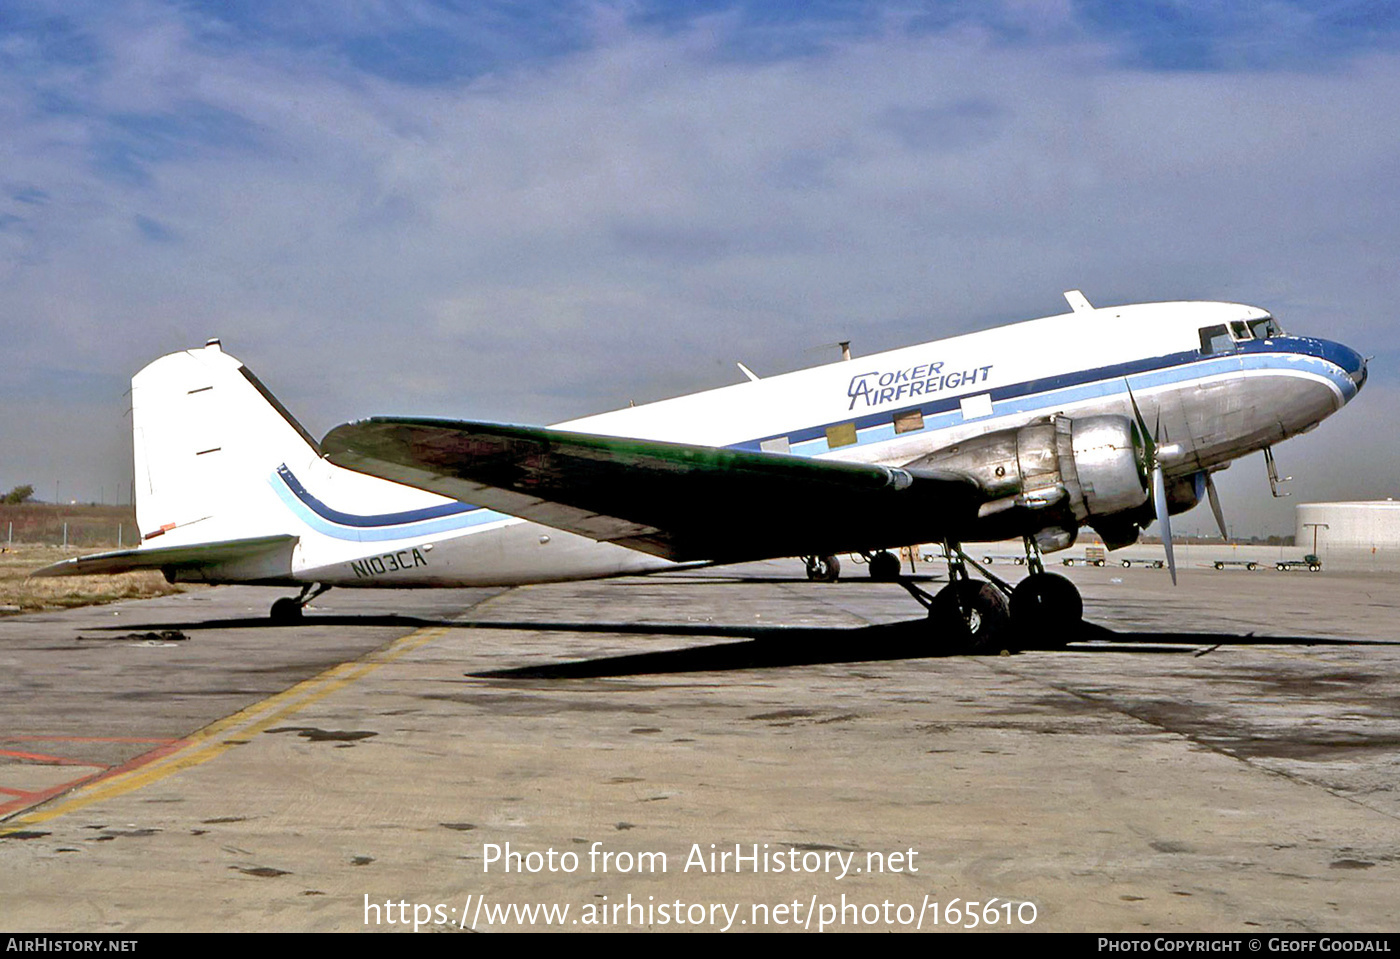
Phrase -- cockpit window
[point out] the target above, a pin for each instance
(1215, 339)
(1265, 327)
(1239, 329)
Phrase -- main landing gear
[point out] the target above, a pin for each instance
(823, 569)
(288, 609)
(884, 567)
(1043, 611)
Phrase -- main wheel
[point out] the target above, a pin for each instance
(977, 611)
(1046, 609)
(823, 569)
(884, 567)
(286, 610)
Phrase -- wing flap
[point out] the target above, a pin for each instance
(166, 557)
(679, 501)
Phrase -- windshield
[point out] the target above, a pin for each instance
(1265, 327)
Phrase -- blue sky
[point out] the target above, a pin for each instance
(531, 211)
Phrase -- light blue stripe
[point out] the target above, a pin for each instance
(1040, 403)
(417, 530)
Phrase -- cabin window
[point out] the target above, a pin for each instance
(1215, 339)
(778, 444)
(977, 406)
(843, 434)
(909, 421)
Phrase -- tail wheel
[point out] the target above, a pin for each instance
(1046, 609)
(978, 611)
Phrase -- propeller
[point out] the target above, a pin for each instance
(1150, 447)
(1215, 507)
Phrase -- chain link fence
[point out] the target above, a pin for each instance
(30, 524)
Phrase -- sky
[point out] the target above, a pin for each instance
(531, 211)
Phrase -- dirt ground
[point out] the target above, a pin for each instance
(21, 594)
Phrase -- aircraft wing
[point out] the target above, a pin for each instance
(674, 500)
(165, 557)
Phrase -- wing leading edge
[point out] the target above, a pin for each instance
(674, 500)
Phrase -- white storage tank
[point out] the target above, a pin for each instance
(1359, 535)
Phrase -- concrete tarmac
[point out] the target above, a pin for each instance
(1217, 757)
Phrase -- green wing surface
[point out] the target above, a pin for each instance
(678, 501)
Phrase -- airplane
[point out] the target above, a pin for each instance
(1110, 418)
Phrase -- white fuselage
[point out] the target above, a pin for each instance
(1211, 402)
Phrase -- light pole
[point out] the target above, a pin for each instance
(1314, 529)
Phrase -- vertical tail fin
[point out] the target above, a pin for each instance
(207, 435)
(224, 484)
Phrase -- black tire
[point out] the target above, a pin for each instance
(823, 569)
(884, 567)
(286, 610)
(986, 625)
(1219, 565)
(1127, 564)
(1046, 611)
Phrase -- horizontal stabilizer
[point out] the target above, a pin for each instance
(194, 556)
(679, 501)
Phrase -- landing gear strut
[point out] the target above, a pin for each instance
(976, 611)
(1043, 610)
(288, 609)
(1046, 607)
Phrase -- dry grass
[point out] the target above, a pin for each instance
(19, 593)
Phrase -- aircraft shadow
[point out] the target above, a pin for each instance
(263, 622)
(764, 647)
(777, 646)
(699, 579)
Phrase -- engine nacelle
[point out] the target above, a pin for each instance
(1051, 473)
(1184, 492)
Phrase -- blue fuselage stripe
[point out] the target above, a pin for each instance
(1283, 353)
(1318, 356)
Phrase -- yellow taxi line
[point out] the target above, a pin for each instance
(220, 736)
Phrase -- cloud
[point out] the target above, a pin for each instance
(607, 203)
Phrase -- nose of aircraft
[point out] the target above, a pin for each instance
(1355, 365)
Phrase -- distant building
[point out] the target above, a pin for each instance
(1354, 535)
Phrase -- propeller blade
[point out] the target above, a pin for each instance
(1215, 506)
(1159, 479)
(1164, 523)
(1149, 443)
